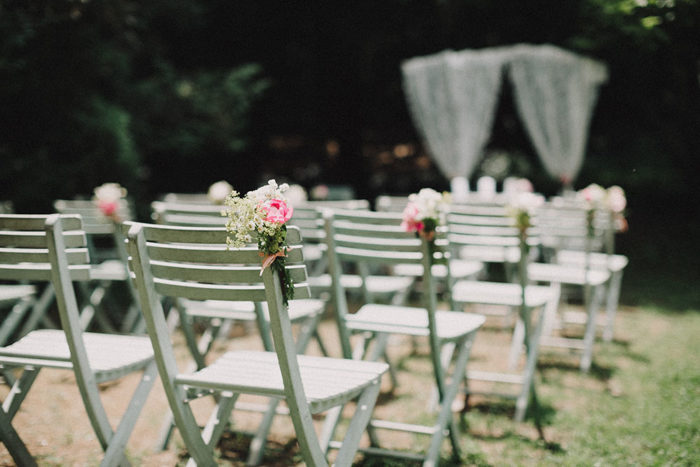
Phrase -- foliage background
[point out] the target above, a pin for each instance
(172, 96)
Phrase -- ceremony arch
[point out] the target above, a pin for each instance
(452, 97)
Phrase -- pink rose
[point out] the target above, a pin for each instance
(277, 211)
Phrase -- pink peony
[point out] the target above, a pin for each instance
(277, 211)
(410, 223)
(108, 208)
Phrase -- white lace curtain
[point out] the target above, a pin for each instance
(452, 98)
(555, 92)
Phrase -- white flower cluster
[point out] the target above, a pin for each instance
(525, 201)
(246, 217)
(430, 204)
(269, 191)
(110, 192)
(597, 197)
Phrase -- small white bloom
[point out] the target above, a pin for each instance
(615, 199)
(219, 191)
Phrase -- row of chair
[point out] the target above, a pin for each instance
(182, 265)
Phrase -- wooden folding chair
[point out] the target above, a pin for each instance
(195, 263)
(378, 239)
(496, 239)
(219, 316)
(53, 248)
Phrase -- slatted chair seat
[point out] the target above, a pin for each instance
(12, 293)
(459, 269)
(298, 309)
(565, 274)
(195, 263)
(327, 382)
(110, 270)
(110, 356)
(412, 321)
(501, 293)
(376, 285)
(613, 263)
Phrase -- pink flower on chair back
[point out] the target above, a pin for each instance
(410, 222)
(263, 212)
(425, 211)
(108, 208)
(108, 197)
(278, 211)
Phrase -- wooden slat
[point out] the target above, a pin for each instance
(35, 222)
(37, 239)
(212, 254)
(218, 273)
(39, 255)
(210, 235)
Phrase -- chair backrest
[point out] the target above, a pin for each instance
(50, 248)
(565, 226)
(200, 198)
(195, 263)
(193, 214)
(97, 225)
(94, 222)
(390, 203)
(6, 207)
(373, 238)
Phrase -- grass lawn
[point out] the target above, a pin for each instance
(639, 404)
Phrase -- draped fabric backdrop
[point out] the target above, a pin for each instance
(452, 98)
(555, 92)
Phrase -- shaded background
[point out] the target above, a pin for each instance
(166, 96)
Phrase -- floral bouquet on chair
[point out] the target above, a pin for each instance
(264, 212)
(109, 198)
(425, 211)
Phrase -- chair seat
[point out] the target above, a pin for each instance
(574, 275)
(413, 321)
(327, 381)
(313, 251)
(375, 284)
(12, 293)
(110, 270)
(614, 263)
(111, 356)
(459, 269)
(500, 293)
(490, 253)
(298, 309)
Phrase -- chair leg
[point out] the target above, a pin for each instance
(115, 449)
(589, 336)
(257, 444)
(13, 319)
(358, 423)
(19, 391)
(611, 305)
(445, 421)
(219, 418)
(13, 443)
